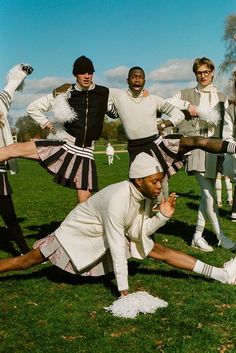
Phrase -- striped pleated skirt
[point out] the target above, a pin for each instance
(71, 165)
(164, 148)
(52, 250)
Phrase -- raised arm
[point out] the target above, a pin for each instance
(175, 114)
(37, 108)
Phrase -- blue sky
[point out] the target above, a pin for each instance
(162, 36)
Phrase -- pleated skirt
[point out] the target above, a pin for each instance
(71, 165)
(164, 148)
(52, 250)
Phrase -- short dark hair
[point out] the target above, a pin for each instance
(203, 61)
(135, 68)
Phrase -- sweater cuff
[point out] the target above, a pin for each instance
(45, 124)
(162, 218)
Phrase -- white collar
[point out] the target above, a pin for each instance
(78, 87)
(136, 194)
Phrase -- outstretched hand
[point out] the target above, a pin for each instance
(167, 207)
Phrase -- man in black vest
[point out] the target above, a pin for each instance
(79, 111)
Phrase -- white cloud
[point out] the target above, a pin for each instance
(33, 89)
(44, 85)
(116, 77)
(168, 89)
(173, 70)
(164, 81)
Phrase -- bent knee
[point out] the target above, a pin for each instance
(159, 251)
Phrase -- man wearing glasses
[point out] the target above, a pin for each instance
(204, 107)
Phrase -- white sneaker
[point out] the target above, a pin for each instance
(201, 244)
(230, 268)
(226, 243)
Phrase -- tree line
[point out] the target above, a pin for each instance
(28, 129)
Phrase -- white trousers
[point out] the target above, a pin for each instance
(110, 158)
(207, 208)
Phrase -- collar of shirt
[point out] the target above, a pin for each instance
(80, 88)
(136, 194)
(131, 94)
(208, 89)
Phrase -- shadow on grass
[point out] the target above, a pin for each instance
(189, 195)
(6, 242)
(43, 230)
(222, 211)
(185, 231)
(56, 275)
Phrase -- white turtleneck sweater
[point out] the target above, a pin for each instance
(116, 218)
(139, 114)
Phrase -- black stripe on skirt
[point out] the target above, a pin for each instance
(5, 187)
(150, 146)
(83, 167)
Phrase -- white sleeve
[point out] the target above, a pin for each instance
(37, 108)
(178, 102)
(228, 129)
(114, 229)
(112, 103)
(146, 225)
(175, 114)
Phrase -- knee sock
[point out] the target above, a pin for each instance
(219, 274)
(228, 147)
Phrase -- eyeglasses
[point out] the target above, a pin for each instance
(205, 73)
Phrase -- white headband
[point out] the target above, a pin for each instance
(144, 165)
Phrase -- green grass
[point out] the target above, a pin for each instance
(45, 310)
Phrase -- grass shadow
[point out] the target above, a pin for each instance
(6, 242)
(189, 195)
(185, 231)
(43, 230)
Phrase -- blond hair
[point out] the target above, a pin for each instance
(203, 61)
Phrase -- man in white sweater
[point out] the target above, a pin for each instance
(100, 234)
(140, 116)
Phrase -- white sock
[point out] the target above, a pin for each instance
(198, 232)
(219, 274)
(218, 187)
(229, 190)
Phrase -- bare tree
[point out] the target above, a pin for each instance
(230, 43)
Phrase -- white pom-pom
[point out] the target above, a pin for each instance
(62, 110)
(210, 116)
(139, 302)
(16, 73)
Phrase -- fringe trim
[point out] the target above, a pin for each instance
(210, 116)
(62, 110)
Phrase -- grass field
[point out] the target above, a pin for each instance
(44, 310)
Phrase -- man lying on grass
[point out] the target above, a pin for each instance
(99, 235)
